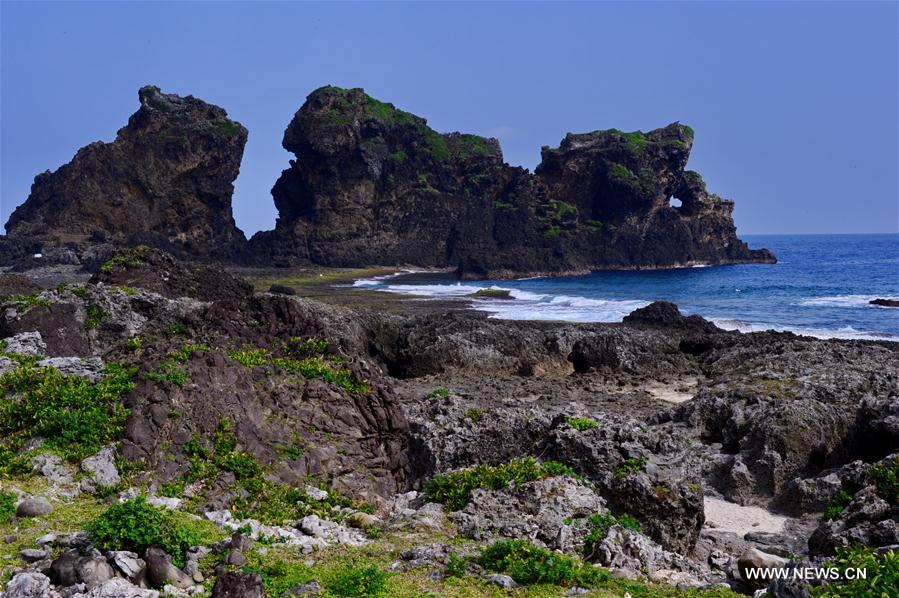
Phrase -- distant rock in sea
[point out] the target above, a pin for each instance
(884, 302)
(372, 184)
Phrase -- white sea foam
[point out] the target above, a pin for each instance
(376, 281)
(846, 332)
(853, 301)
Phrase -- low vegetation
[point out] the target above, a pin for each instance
(599, 525)
(528, 564)
(454, 489)
(886, 479)
(137, 525)
(631, 466)
(582, 424)
(126, 260)
(881, 579)
(73, 415)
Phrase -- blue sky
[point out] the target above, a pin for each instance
(794, 104)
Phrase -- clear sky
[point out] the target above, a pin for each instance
(794, 104)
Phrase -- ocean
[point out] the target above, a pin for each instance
(820, 287)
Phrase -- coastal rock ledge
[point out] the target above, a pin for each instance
(372, 184)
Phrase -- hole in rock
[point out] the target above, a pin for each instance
(675, 202)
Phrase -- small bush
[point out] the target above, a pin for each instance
(183, 354)
(126, 260)
(599, 526)
(7, 506)
(137, 525)
(882, 573)
(359, 582)
(306, 347)
(886, 478)
(837, 505)
(474, 414)
(32, 300)
(175, 329)
(440, 392)
(528, 564)
(457, 566)
(454, 489)
(631, 466)
(582, 424)
(328, 369)
(168, 372)
(95, 316)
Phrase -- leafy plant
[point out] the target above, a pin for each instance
(457, 566)
(7, 506)
(95, 316)
(137, 525)
(359, 582)
(886, 478)
(328, 369)
(249, 356)
(168, 372)
(454, 489)
(474, 414)
(528, 564)
(440, 391)
(630, 466)
(837, 504)
(74, 415)
(881, 573)
(126, 260)
(582, 424)
(598, 527)
(32, 300)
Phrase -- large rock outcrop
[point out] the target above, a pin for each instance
(374, 184)
(166, 180)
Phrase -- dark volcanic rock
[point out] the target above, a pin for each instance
(157, 271)
(373, 184)
(237, 585)
(166, 180)
(884, 302)
(662, 314)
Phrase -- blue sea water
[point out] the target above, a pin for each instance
(820, 286)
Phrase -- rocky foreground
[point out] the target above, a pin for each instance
(167, 431)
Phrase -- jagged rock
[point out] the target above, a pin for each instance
(32, 555)
(26, 343)
(130, 565)
(165, 180)
(237, 585)
(156, 271)
(503, 581)
(63, 569)
(34, 506)
(758, 560)
(540, 511)
(28, 584)
(90, 368)
(101, 471)
(118, 588)
(884, 302)
(14, 284)
(626, 549)
(160, 571)
(599, 200)
(663, 314)
(93, 571)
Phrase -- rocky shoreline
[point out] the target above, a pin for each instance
(301, 447)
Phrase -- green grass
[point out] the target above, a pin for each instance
(136, 525)
(454, 489)
(168, 372)
(74, 416)
(227, 128)
(7, 506)
(582, 424)
(29, 301)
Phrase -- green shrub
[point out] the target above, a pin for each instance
(168, 372)
(175, 329)
(457, 566)
(474, 414)
(74, 415)
(454, 489)
(306, 347)
(137, 525)
(598, 526)
(250, 356)
(95, 316)
(630, 466)
(32, 300)
(7, 506)
(126, 260)
(582, 424)
(837, 504)
(183, 354)
(438, 392)
(329, 369)
(528, 564)
(882, 573)
(359, 582)
(886, 478)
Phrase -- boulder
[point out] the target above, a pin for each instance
(26, 343)
(160, 571)
(28, 584)
(231, 584)
(754, 559)
(34, 506)
(101, 471)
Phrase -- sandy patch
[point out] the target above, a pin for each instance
(672, 393)
(731, 517)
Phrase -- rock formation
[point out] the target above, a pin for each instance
(375, 185)
(166, 180)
